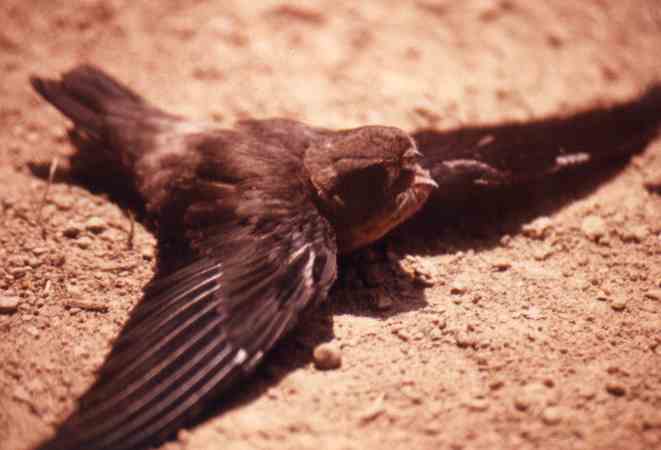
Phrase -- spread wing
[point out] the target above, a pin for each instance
(515, 153)
(202, 329)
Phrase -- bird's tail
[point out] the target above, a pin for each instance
(86, 95)
(111, 122)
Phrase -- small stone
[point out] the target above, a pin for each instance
(458, 288)
(552, 415)
(58, 259)
(653, 182)
(521, 403)
(501, 265)
(538, 228)
(594, 228)
(531, 395)
(603, 297)
(420, 271)
(18, 272)
(38, 251)
(634, 233)
(147, 253)
(72, 230)
(616, 389)
(34, 262)
(478, 404)
(8, 304)
(465, 340)
(653, 294)
(401, 333)
(84, 242)
(542, 254)
(619, 304)
(441, 324)
(95, 224)
(373, 411)
(32, 331)
(327, 356)
(21, 394)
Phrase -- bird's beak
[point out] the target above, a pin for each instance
(422, 178)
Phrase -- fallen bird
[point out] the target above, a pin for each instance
(266, 208)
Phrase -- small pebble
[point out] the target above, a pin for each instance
(594, 228)
(419, 270)
(538, 228)
(477, 404)
(496, 384)
(95, 224)
(653, 294)
(8, 304)
(552, 415)
(542, 254)
(458, 288)
(603, 297)
(373, 411)
(634, 233)
(34, 262)
(32, 330)
(653, 183)
(327, 356)
(501, 265)
(72, 230)
(84, 242)
(616, 389)
(619, 304)
(465, 340)
(38, 251)
(147, 253)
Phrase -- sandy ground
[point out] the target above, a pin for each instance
(540, 331)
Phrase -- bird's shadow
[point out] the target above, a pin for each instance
(482, 213)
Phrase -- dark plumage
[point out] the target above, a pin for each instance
(266, 207)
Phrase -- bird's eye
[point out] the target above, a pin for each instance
(410, 158)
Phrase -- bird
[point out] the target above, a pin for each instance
(266, 208)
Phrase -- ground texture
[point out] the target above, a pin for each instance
(539, 330)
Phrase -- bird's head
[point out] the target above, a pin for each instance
(368, 180)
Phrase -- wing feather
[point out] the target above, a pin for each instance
(202, 329)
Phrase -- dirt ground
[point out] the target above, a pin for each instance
(547, 336)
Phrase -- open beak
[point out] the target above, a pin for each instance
(422, 178)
